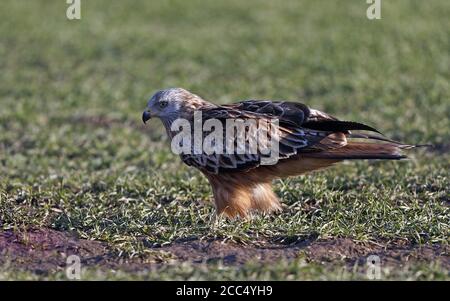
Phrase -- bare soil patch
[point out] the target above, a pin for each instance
(45, 249)
(339, 250)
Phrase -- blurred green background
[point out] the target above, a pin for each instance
(392, 72)
(73, 155)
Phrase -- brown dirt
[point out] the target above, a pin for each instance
(337, 250)
(45, 250)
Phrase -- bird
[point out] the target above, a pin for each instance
(307, 139)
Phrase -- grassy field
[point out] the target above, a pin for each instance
(75, 159)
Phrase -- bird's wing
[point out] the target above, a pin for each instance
(287, 112)
(226, 160)
(299, 130)
(298, 114)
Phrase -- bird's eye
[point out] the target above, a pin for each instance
(163, 104)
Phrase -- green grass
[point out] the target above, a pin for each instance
(282, 271)
(119, 184)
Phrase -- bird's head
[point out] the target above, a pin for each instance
(164, 104)
(170, 104)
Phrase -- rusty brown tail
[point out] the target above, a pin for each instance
(365, 150)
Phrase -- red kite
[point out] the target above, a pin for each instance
(307, 140)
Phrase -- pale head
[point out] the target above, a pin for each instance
(165, 104)
(170, 104)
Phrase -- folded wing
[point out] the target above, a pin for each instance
(299, 132)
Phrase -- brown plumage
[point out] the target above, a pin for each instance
(308, 140)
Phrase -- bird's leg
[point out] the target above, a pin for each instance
(232, 202)
(238, 195)
(243, 200)
(264, 199)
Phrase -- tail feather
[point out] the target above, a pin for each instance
(384, 139)
(364, 150)
(338, 126)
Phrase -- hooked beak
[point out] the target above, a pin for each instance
(146, 116)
